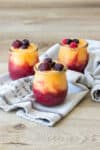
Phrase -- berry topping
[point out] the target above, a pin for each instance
(44, 66)
(76, 41)
(48, 60)
(25, 43)
(73, 45)
(58, 67)
(24, 46)
(53, 63)
(69, 41)
(64, 41)
(17, 44)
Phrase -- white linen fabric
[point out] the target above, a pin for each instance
(17, 95)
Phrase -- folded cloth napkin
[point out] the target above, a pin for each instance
(95, 93)
(18, 94)
(92, 74)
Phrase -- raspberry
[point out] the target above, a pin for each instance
(73, 45)
(17, 44)
(64, 41)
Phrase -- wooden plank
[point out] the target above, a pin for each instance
(48, 3)
(47, 26)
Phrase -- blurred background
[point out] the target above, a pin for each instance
(46, 22)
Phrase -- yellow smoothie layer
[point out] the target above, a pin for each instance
(23, 56)
(50, 81)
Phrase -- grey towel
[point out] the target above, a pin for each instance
(18, 95)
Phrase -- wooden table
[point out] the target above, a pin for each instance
(46, 22)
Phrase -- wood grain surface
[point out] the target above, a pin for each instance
(45, 22)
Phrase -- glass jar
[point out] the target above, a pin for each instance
(22, 61)
(50, 87)
(74, 58)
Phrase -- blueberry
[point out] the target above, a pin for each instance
(23, 46)
(17, 44)
(48, 60)
(52, 64)
(76, 41)
(25, 43)
(44, 66)
(58, 67)
(69, 41)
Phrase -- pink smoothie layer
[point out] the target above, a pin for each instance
(49, 99)
(17, 71)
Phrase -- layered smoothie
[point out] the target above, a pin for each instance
(50, 83)
(23, 56)
(73, 54)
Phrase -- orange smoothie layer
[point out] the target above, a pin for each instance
(51, 81)
(24, 56)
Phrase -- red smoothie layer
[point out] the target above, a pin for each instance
(17, 71)
(49, 99)
(80, 67)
